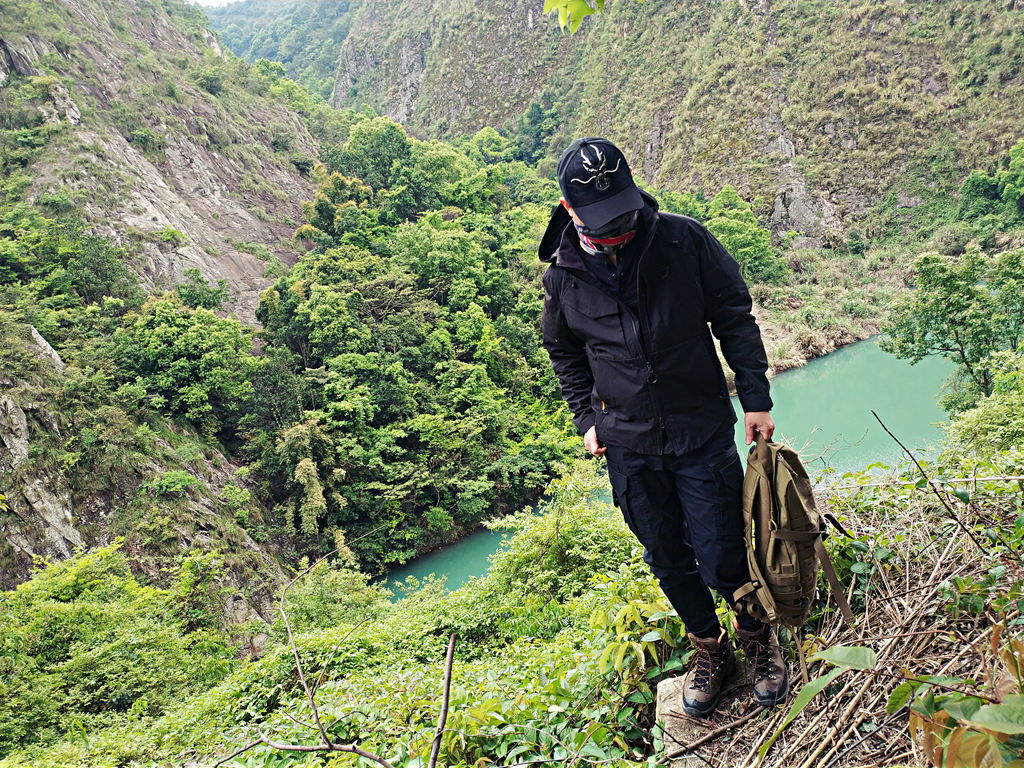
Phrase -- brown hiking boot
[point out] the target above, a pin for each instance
(767, 669)
(713, 664)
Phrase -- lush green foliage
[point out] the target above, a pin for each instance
(398, 382)
(433, 403)
(995, 423)
(83, 645)
(732, 221)
(191, 363)
(304, 37)
(559, 648)
(571, 13)
(529, 680)
(966, 309)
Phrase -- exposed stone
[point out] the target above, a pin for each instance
(933, 86)
(44, 346)
(811, 214)
(20, 55)
(904, 200)
(220, 204)
(13, 434)
(412, 64)
(677, 729)
(50, 511)
(784, 147)
(191, 193)
(40, 518)
(655, 146)
(211, 40)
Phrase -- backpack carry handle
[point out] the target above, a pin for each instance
(775, 477)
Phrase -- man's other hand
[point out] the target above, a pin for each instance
(592, 444)
(761, 421)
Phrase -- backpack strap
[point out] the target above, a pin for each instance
(766, 469)
(833, 581)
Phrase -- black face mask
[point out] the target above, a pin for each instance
(613, 236)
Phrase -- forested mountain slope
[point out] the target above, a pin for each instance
(166, 467)
(397, 392)
(171, 148)
(826, 111)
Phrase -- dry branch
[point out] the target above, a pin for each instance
(436, 746)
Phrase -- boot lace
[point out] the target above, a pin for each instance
(704, 668)
(759, 654)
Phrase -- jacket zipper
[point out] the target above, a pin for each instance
(644, 334)
(636, 318)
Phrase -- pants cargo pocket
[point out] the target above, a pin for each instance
(620, 498)
(728, 475)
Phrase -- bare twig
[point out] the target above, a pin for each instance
(931, 484)
(436, 746)
(238, 752)
(264, 739)
(945, 481)
(328, 745)
(302, 676)
(324, 748)
(296, 720)
(713, 734)
(294, 647)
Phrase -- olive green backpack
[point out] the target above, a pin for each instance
(784, 535)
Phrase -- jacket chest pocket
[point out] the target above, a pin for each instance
(594, 317)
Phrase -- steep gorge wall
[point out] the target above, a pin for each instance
(148, 151)
(57, 502)
(822, 110)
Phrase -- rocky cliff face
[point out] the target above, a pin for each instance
(187, 175)
(822, 110)
(452, 68)
(49, 514)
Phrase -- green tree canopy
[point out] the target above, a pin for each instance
(732, 221)
(964, 308)
(193, 363)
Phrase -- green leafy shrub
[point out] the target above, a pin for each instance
(553, 555)
(173, 484)
(210, 79)
(197, 291)
(83, 644)
(731, 220)
(196, 363)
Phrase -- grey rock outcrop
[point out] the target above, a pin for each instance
(39, 521)
(214, 178)
(812, 214)
(44, 348)
(13, 434)
(20, 54)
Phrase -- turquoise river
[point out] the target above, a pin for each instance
(823, 410)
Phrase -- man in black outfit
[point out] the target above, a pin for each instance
(628, 300)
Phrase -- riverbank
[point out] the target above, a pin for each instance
(832, 299)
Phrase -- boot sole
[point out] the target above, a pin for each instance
(693, 711)
(771, 701)
(696, 710)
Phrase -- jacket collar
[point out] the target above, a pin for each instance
(561, 245)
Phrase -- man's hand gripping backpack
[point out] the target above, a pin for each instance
(784, 534)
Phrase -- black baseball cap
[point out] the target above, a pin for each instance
(596, 182)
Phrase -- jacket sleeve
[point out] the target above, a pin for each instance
(568, 356)
(728, 308)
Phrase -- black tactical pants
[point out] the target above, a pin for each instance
(686, 511)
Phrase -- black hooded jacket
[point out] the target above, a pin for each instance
(650, 379)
